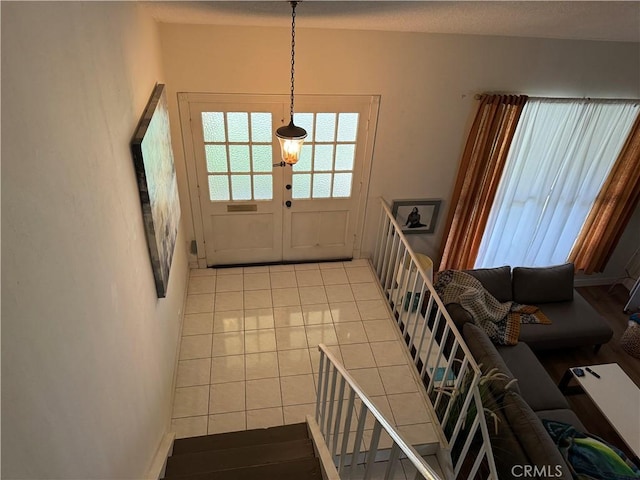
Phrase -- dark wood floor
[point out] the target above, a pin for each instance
(610, 305)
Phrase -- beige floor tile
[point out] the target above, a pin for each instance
(229, 283)
(388, 353)
(317, 334)
(330, 265)
(256, 269)
(365, 291)
(356, 262)
(227, 422)
(230, 271)
(369, 380)
(228, 321)
(350, 332)
(316, 314)
(227, 397)
(228, 301)
(197, 324)
(308, 278)
(297, 389)
(381, 330)
(261, 365)
(189, 426)
(314, 354)
(339, 293)
(260, 341)
(288, 316)
(200, 303)
(265, 418)
(298, 413)
(372, 309)
(231, 343)
(290, 338)
(294, 362)
(398, 379)
(258, 319)
(202, 272)
(419, 433)
(382, 404)
(195, 346)
(345, 312)
(360, 275)
(312, 295)
(193, 372)
(257, 281)
(306, 266)
(257, 299)
(263, 393)
(334, 276)
(408, 408)
(285, 297)
(202, 284)
(357, 355)
(191, 401)
(281, 268)
(283, 279)
(229, 368)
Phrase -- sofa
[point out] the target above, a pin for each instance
(574, 322)
(519, 407)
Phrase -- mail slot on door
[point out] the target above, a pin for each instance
(242, 208)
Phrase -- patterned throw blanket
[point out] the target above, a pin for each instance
(501, 321)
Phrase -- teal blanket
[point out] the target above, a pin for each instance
(590, 457)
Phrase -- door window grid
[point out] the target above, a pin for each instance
(238, 154)
(325, 169)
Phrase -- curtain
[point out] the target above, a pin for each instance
(479, 173)
(561, 154)
(612, 209)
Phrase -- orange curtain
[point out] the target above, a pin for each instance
(611, 210)
(480, 170)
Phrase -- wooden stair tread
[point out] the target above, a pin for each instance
(238, 457)
(244, 438)
(300, 469)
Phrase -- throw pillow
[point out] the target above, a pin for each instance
(497, 281)
(532, 286)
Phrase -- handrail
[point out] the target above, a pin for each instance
(444, 362)
(422, 467)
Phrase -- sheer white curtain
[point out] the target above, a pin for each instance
(560, 156)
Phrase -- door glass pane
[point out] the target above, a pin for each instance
(344, 156)
(321, 185)
(262, 187)
(216, 158)
(342, 185)
(347, 127)
(238, 123)
(213, 127)
(325, 127)
(218, 187)
(239, 158)
(323, 159)
(261, 127)
(304, 163)
(301, 186)
(262, 160)
(241, 187)
(305, 120)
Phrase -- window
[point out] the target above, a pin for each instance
(560, 156)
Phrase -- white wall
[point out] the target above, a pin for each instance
(88, 350)
(427, 83)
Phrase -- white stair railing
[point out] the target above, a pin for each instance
(336, 411)
(450, 374)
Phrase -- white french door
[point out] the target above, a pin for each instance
(249, 210)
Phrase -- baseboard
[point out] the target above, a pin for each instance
(159, 464)
(595, 281)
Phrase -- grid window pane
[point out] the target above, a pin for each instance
(262, 160)
(321, 185)
(347, 127)
(325, 127)
(342, 185)
(213, 127)
(238, 123)
(218, 187)
(216, 158)
(304, 163)
(241, 187)
(344, 156)
(239, 158)
(323, 158)
(301, 185)
(261, 127)
(262, 187)
(305, 120)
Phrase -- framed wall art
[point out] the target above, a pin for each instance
(156, 175)
(416, 216)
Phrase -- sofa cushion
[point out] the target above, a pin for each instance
(484, 353)
(497, 281)
(459, 315)
(532, 286)
(533, 437)
(562, 415)
(573, 324)
(535, 385)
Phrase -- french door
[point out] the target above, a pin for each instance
(247, 209)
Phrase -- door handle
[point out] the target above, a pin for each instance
(288, 203)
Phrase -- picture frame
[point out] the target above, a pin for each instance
(416, 216)
(157, 184)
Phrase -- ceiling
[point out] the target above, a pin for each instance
(577, 20)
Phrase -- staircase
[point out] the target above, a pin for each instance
(285, 453)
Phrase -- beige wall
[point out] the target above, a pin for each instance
(427, 83)
(88, 350)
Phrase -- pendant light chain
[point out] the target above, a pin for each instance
(293, 52)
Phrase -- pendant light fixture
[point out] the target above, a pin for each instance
(291, 137)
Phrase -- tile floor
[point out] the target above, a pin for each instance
(249, 357)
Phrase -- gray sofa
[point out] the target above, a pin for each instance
(520, 406)
(574, 322)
